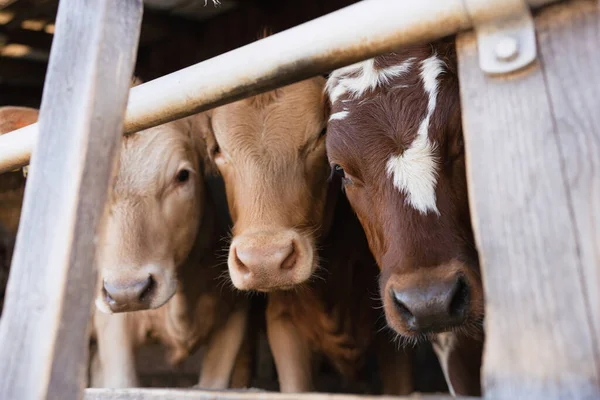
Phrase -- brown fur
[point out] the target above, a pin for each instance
(12, 188)
(270, 151)
(410, 247)
(12, 184)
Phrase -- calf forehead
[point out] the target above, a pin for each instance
(381, 120)
(149, 157)
(377, 115)
(283, 119)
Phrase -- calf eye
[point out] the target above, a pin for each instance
(339, 171)
(183, 176)
(216, 150)
(323, 132)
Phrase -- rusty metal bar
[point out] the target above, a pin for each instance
(352, 34)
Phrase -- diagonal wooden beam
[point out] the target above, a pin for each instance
(44, 328)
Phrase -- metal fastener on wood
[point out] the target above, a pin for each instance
(507, 48)
(505, 40)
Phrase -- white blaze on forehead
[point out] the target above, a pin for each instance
(367, 77)
(414, 171)
(339, 115)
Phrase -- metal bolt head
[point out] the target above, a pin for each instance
(507, 48)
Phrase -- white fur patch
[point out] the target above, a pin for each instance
(101, 305)
(367, 78)
(414, 171)
(443, 346)
(339, 115)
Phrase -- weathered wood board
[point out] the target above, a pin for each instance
(533, 150)
(44, 328)
(191, 394)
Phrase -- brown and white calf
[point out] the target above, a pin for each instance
(157, 253)
(394, 137)
(295, 237)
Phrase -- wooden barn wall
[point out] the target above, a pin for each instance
(196, 42)
(167, 43)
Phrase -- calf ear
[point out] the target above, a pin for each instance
(12, 118)
(204, 140)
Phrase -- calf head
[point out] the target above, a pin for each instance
(395, 139)
(270, 150)
(153, 214)
(153, 211)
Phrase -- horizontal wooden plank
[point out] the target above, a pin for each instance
(249, 394)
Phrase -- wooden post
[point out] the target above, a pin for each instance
(533, 150)
(44, 329)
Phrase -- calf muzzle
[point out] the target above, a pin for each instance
(129, 295)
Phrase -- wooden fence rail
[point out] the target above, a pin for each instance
(192, 394)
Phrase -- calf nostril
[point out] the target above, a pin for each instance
(106, 295)
(291, 258)
(147, 289)
(239, 263)
(461, 297)
(405, 313)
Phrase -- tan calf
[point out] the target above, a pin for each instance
(293, 230)
(159, 246)
(162, 231)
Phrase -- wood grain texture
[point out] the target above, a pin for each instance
(569, 37)
(192, 394)
(44, 328)
(534, 172)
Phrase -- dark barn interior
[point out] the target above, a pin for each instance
(176, 34)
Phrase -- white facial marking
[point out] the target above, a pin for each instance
(339, 115)
(414, 171)
(443, 346)
(367, 78)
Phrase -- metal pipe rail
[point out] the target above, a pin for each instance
(352, 34)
